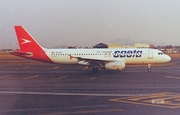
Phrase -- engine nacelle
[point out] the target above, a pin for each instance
(115, 65)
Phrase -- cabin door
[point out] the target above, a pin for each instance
(150, 54)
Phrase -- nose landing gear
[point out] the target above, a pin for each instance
(149, 67)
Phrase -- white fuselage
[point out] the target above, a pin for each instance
(127, 55)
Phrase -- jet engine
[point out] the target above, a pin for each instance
(115, 65)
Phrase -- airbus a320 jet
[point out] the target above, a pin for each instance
(110, 59)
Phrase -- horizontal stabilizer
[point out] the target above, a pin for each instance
(22, 54)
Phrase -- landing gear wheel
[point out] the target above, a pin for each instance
(149, 67)
(95, 69)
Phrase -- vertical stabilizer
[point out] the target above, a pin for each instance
(25, 40)
(29, 47)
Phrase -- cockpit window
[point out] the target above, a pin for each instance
(160, 53)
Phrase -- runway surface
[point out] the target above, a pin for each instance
(34, 88)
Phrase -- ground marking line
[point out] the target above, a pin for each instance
(36, 109)
(26, 67)
(31, 77)
(93, 78)
(72, 94)
(172, 77)
(5, 76)
(89, 111)
(165, 99)
(62, 77)
(85, 68)
(56, 67)
(64, 113)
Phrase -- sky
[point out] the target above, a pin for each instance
(88, 22)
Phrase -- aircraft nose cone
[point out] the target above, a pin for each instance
(168, 58)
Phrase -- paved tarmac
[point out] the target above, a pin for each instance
(35, 88)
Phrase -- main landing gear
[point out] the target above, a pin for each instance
(149, 67)
(95, 70)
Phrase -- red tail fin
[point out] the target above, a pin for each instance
(29, 47)
(26, 41)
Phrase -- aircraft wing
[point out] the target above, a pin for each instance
(94, 60)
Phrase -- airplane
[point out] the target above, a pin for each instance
(109, 59)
